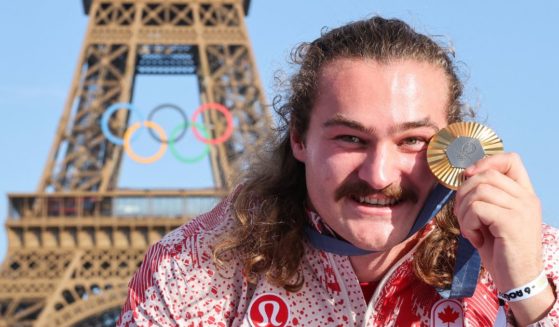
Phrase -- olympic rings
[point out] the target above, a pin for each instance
(132, 154)
(159, 134)
(229, 118)
(178, 155)
(177, 109)
(107, 114)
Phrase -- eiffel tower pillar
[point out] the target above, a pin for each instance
(71, 246)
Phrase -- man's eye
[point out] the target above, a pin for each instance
(414, 142)
(350, 139)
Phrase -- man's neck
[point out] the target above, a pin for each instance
(372, 267)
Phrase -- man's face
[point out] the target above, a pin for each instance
(364, 151)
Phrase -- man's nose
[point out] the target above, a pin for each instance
(379, 168)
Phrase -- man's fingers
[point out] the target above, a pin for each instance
(508, 164)
(481, 228)
(492, 179)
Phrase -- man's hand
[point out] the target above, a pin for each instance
(500, 214)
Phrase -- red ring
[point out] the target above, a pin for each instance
(229, 118)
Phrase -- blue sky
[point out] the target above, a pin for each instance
(507, 53)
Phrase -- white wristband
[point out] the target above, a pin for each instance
(526, 291)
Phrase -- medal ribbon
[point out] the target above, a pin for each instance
(466, 267)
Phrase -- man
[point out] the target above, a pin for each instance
(350, 161)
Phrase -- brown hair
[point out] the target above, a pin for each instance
(270, 208)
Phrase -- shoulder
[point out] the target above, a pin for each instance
(202, 230)
(181, 263)
(194, 239)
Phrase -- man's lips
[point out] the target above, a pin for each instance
(375, 201)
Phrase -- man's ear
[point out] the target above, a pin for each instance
(297, 146)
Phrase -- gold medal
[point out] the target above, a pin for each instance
(457, 147)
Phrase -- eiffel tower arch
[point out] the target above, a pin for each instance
(72, 246)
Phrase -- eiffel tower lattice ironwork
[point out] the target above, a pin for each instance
(71, 250)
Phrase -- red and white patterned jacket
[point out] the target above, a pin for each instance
(178, 284)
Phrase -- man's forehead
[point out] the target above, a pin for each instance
(399, 91)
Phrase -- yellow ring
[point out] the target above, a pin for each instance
(132, 154)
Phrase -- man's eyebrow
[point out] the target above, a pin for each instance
(425, 122)
(340, 120)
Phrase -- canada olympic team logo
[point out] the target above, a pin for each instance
(447, 313)
(268, 310)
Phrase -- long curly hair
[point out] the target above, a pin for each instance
(270, 207)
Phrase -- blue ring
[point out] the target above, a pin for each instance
(107, 114)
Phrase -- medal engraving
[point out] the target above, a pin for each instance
(464, 151)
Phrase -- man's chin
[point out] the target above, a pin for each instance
(379, 233)
(375, 246)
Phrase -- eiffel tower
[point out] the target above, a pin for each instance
(72, 245)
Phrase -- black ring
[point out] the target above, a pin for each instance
(177, 109)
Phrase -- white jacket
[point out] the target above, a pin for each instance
(178, 284)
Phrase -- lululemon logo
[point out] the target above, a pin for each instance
(268, 310)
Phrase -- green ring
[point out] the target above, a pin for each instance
(177, 154)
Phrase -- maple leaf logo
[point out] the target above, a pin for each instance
(448, 315)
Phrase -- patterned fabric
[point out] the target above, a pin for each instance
(178, 284)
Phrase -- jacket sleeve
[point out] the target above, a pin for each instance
(149, 292)
(551, 267)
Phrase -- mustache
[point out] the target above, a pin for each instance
(359, 188)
